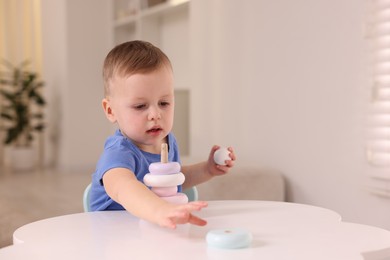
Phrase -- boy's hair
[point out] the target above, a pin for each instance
(132, 57)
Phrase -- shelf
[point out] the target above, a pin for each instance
(163, 8)
(151, 12)
(125, 21)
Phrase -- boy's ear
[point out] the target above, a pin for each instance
(108, 110)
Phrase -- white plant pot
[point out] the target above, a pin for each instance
(22, 158)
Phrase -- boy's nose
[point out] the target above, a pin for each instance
(154, 114)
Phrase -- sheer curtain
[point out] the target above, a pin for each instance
(20, 32)
(20, 38)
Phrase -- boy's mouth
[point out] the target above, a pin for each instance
(154, 130)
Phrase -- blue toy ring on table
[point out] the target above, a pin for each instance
(229, 238)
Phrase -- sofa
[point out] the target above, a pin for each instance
(245, 183)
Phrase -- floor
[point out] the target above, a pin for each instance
(30, 196)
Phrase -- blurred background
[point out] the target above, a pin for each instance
(286, 83)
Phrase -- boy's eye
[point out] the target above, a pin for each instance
(140, 107)
(164, 103)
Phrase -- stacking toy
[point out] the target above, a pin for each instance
(229, 238)
(164, 177)
(221, 155)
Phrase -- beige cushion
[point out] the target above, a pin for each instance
(245, 183)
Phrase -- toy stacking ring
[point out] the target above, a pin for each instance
(179, 198)
(164, 180)
(229, 238)
(164, 168)
(165, 191)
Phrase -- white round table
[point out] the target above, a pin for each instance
(280, 231)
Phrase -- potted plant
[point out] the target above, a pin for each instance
(21, 110)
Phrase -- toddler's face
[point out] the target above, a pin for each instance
(143, 106)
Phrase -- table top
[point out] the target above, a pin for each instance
(280, 230)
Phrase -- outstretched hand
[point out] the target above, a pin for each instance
(182, 214)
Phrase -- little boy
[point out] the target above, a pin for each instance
(139, 98)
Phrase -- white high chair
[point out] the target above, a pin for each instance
(191, 193)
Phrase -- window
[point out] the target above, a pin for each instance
(378, 152)
(378, 144)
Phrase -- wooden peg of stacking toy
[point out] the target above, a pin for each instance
(164, 153)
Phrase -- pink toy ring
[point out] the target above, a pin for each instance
(165, 191)
(164, 168)
(164, 180)
(179, 198)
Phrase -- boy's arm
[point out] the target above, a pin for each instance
(123, 187)
(201, 172)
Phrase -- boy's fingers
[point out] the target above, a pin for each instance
(183, 214)
(171, 225)
(230, 163)
(196, 221)
(195, 205)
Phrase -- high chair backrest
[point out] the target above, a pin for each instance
(192, 194)
(86, 195)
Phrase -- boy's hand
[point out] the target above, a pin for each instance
(215, 169)
(182, 214)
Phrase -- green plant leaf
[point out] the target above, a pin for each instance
(12, 135)
(37, 97)
(39, 127)
(37, 115)
(7, 116)
(20, 97)
(6, 82)
(8, 95)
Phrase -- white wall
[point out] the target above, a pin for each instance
(286, 84)
(76, 38)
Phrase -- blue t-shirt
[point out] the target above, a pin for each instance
(120, 152)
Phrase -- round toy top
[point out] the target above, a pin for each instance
(221, 155)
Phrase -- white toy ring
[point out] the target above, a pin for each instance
(165, 191)
(164, 180)
(164, 168)
(179, 198)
